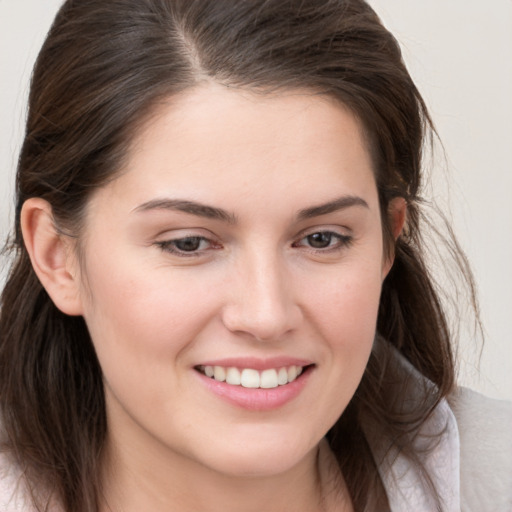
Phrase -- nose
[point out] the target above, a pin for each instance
(262, 303)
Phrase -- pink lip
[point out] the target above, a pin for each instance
(256, 399)
(257, 363)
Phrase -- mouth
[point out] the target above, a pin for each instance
(251, 378)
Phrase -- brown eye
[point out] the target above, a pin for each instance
(320, 240)
(324, 241)
(189, 244)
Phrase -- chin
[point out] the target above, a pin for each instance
(260, 458)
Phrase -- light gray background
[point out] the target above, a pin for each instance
(460, 54)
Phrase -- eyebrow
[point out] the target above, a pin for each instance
(212, 212)
(335, 205)
(191, 207)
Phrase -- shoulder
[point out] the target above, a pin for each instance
(13, 495)
(485, 433)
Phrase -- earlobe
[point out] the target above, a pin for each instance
(397, 215)
(52, 255)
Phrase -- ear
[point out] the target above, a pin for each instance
(397, 214)
(52, 255)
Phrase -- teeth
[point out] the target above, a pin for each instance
(233, 377)
(268, 379)
(219, 373)
(249, 378)
(282, 376)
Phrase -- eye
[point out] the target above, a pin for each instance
(187, 246)
(324, 240)
(320, 240)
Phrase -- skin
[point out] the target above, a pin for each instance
(253, 287)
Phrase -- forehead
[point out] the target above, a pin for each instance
(211, 140)
(240, 114)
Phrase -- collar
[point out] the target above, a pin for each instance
(406, 487)
(437, 444)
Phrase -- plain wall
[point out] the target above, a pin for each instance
(460, 54)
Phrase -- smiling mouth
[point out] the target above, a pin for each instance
(250, 378)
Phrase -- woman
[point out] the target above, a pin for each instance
(219, 298)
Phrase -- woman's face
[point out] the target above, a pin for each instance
(242, 239)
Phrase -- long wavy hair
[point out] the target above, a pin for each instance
(104, 67)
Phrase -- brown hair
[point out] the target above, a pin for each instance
(103, 68)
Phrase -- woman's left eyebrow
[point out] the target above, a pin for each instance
(341, 203)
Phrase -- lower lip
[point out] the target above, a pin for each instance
(257, 399)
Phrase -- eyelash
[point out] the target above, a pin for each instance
(171, 246)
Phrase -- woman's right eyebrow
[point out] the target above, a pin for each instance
(187, 206)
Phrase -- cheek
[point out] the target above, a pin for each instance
(143, 328)
(348, 333)
(346, 306)
(345, 315)
(137, 314)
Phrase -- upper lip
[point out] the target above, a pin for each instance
(256, 363)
